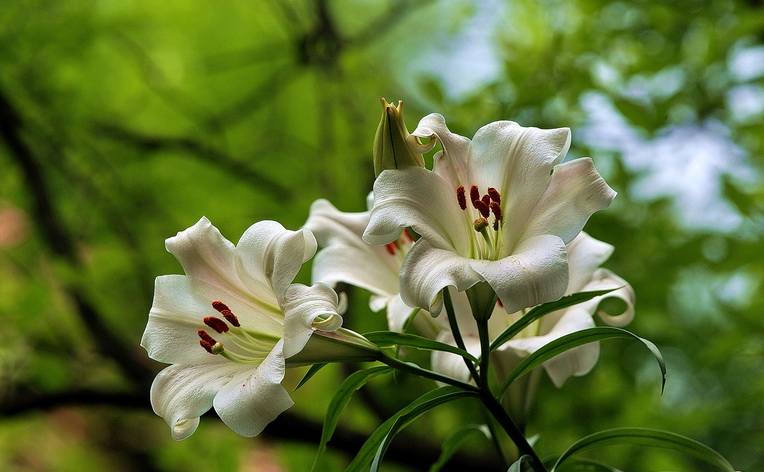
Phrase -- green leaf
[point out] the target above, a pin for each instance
(650, 438)
(375, 446)
(543, 310)
(518, 465)
(391, 338)
(310, 373)
(340, 400)
(455, 440)
(587, 465)
(578, 338)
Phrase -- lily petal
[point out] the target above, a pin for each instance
(605, 279)
(428, 270)
(253, 399)
(272, 256)
(575, 191)
(449, 162)
(577, 361)
(420, 199)
(302, 306)
(182, 393)
(585, 255)
(536, 273)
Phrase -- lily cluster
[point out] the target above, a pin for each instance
(492, 230)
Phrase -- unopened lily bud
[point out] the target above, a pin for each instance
(393, 147)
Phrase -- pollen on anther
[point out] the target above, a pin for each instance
(496, 210)
(220, 306)
(494, 194)
(391, 248)
(461, 197)
(474, 193)
(206, 337)
(230, 317)
(216, 323)
(206, 345)
(481, 207)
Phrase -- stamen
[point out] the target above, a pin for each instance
(206, 337)
(230, 317)
(474, 193)
(461, 197)
(496, 210)
(408, 235)
(207, 346)
(217, 324)
(486, 199)
(480, 224)
(220, 306)
(391, 248)
(481, 207)
(494, 194)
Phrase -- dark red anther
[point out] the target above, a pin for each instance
(408, 235)
(206, 337)
(474, 193)
(498, 302)
(496, 210)
(494, 194)
(487, 200)
(217, 324)
(391, 248)
(230, 317)
(461, 197)
(481, 207)
(206, 345)
(220, 306)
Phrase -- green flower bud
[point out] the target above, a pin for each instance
(393, 147)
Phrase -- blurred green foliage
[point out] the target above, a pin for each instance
(124, 122)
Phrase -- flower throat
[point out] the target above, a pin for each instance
(489, 245)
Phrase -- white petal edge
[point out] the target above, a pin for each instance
(302, 306)
(536, 273)
(182, 393)
(428, 270)
(253, 399)
(585, 255)
(576, 190)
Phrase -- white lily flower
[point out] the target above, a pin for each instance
(585, 255)
(346, 257)
(497, 209)
(229, 325)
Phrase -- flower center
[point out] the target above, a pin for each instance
(243, 346)
(400, 247)
(488, 244)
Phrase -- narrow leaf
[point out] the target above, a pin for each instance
(407, 418)
(340, 400)
(367, 452)
(578, 338)
(543, 310)
(518, 465)
(456, 440)
(650, 438)
(391, 338)
(310, 373)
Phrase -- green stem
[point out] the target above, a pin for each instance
(493, 405)
(416, 370)
(454, 325)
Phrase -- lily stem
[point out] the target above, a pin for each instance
(412, 368)
(493, 405)
(454, 325)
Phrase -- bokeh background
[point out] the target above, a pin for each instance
(123, 122)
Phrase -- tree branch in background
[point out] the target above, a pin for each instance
(61, 243)
(199, 150)
(416, 452)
